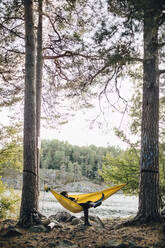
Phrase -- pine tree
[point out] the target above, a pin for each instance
(29, 199)
(147, 17)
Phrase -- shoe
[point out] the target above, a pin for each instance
(99, 202)
(102, 196)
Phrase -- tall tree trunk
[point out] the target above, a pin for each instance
(149, 198)
(29, 192)
(39, 66)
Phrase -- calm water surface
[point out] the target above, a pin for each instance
(117, 205)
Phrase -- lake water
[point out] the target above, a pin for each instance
(116, 206)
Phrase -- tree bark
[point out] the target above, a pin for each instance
(39, 66)
(29, 192)
(149, 197)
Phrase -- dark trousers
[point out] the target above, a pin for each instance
(86, 207)
(89, 204)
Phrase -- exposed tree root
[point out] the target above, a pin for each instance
(30, 218)
(141, 219)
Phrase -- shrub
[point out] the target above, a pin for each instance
(9, 202)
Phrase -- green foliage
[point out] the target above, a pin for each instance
(10, 157)
(10, 147)
(9, 202)
(122, 169)
(80, 161)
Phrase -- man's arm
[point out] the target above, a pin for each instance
(72, 199)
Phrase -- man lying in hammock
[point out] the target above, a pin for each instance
(85, 205)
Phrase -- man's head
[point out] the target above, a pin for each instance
(64, 193)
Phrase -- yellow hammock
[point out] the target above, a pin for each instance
(74, 207)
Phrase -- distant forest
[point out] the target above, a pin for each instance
(75, 160)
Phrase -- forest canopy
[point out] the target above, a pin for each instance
(59, 155)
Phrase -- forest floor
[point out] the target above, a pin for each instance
(111, 234)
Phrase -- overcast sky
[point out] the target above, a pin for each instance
(78, 132)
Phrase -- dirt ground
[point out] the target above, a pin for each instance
(95, 236)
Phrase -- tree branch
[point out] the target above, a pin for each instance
(160, 45)
(161, 72)
(70, 54)
(11, 31)
(162, 19)
(53, 26)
